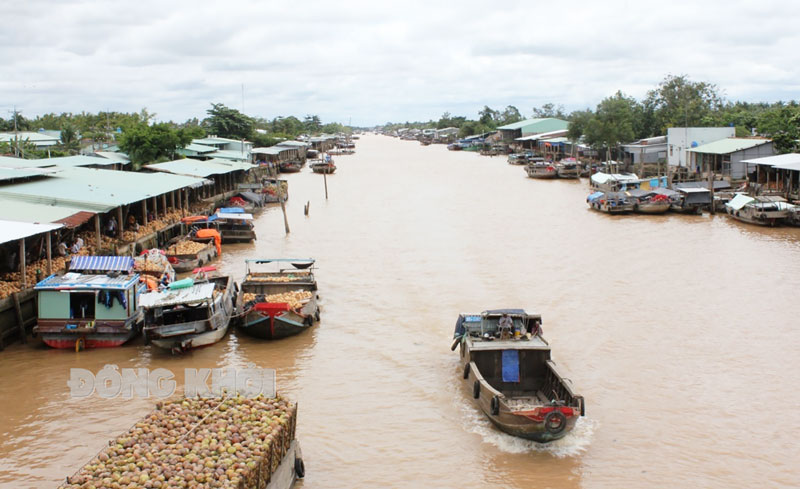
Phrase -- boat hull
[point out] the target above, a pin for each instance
(104, 334)
(260, 324)
(187, 263)
(652, 208)
(568, 173)
(70, 342)
(611, 209)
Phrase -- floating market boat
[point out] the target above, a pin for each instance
(541, 170)
(281, 302)
(761, 210)
(512, 378)
(94, 305)
(290, 166)
(610, 202)
(691, 200)
(185, 255)
(249, 442)
(248, 200)
(190, 313)
(649, 201)
(519, 158)
(568, 168)
(323, 167)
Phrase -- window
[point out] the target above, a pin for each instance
(81, 305)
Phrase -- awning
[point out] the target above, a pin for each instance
(76, 219)
(101, 263)
(740, 201)
(13, 230)
(190, 295)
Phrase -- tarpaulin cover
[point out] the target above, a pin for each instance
(504, 311)
(230, 210)
(101, 263)
(214, 234)
(510, 366)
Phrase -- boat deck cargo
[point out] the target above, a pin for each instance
(186, 255)
(232, 442)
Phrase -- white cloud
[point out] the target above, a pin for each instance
(378, 61)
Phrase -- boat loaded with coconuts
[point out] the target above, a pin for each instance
(506, 364)
(94, 305)
(190, 313)
(279, 302)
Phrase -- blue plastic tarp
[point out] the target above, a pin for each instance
(510, 366)
(231, 210)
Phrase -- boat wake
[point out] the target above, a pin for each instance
(575, 443)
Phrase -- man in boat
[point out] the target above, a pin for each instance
(506, 325)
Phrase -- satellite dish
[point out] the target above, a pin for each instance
(694, 144)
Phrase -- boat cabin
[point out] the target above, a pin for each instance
(279, 275)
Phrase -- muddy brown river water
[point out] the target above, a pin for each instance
(680, 331)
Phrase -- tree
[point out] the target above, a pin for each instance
(312, 124)
(549, 110)
(225, 122)
(145, 144)
(782, 124)
(578, 123)
(488, 117)
(680, 102)
(510, 115)
(612, 123)
(69, 139)
(470, 128)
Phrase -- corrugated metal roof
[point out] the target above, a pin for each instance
(14, 210)
(101, 263)
(272, 150)
(200, 148)
(729, 145)
(9, 174)
(73, 280)
(544, 135)
(230, 155)
(113, 155)
(546, 124)
(778, 161)
(14, 230)
(61, 161)
(96, 190)
(294, 144)
(194, 294)
(33, 137)
(217, 140)
(198, 168)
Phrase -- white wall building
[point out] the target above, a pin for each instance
(681, 139)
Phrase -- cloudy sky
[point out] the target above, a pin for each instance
(375, 61)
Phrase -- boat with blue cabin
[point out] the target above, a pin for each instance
(506, 364)
(94, 305)
(268, 312)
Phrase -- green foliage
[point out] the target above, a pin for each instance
(312, 124)
(549, 110)
(782, 123)
(449, 121)
(680, 102)
(578, 123)
(509, 116)
(146, 144)
(488, 117)
(470, 128)
(612, 123)
(225, 122)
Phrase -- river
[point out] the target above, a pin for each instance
(680, 331)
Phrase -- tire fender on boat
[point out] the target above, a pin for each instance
(299, 468)
(562, 425)
(466, 371)
(476, 390)
(495, 405)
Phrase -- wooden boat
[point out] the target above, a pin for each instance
(248, 200)
(518, 158)
(186, 262)
(541, 170)
(454, 147)
(610, 202)
(568, 168)
(268, 319)
(512, 378)
(290, 166)
(323, 167)
(649, 201)
(761, 210)
(691, 200)
(232, 223)
(180, 319)
(94, 305)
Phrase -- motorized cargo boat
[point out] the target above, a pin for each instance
(649, 201)
(568, 168)
(293, 166)
(94, 305)
(610, 202)
(761, 210)
(508, 369)
(542, 169)
(282, 301)
(190, 313)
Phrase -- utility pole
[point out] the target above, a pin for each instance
(15, 112)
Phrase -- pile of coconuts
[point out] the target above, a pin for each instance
(232, 442)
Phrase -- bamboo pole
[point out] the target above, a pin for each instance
(120, 224)
(283, 206)
(49, 253)
(97, 231)
(22, 264)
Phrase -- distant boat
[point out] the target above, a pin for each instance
(512, 378)
(610, 202)
(541, 170)
(568, 168)
(761, 210)
(323, 167)
(649, 201)
(290, 166)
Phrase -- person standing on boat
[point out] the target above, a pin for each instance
(506, 326)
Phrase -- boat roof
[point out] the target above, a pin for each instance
(270, 260)
(238, 216)
(739, 201)
(83, 263)
(73, 280)
(190, 295)
(535, 343)
(498, 312)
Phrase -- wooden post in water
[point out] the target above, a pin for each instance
(49, 253)
(22, 270)
(97, 231)
(144, 212)
(325, 179)
(23, 336)
(283, 205)
(711, 188)
(120, 223)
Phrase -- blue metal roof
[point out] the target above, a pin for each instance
(101, 263)
(73, 280)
